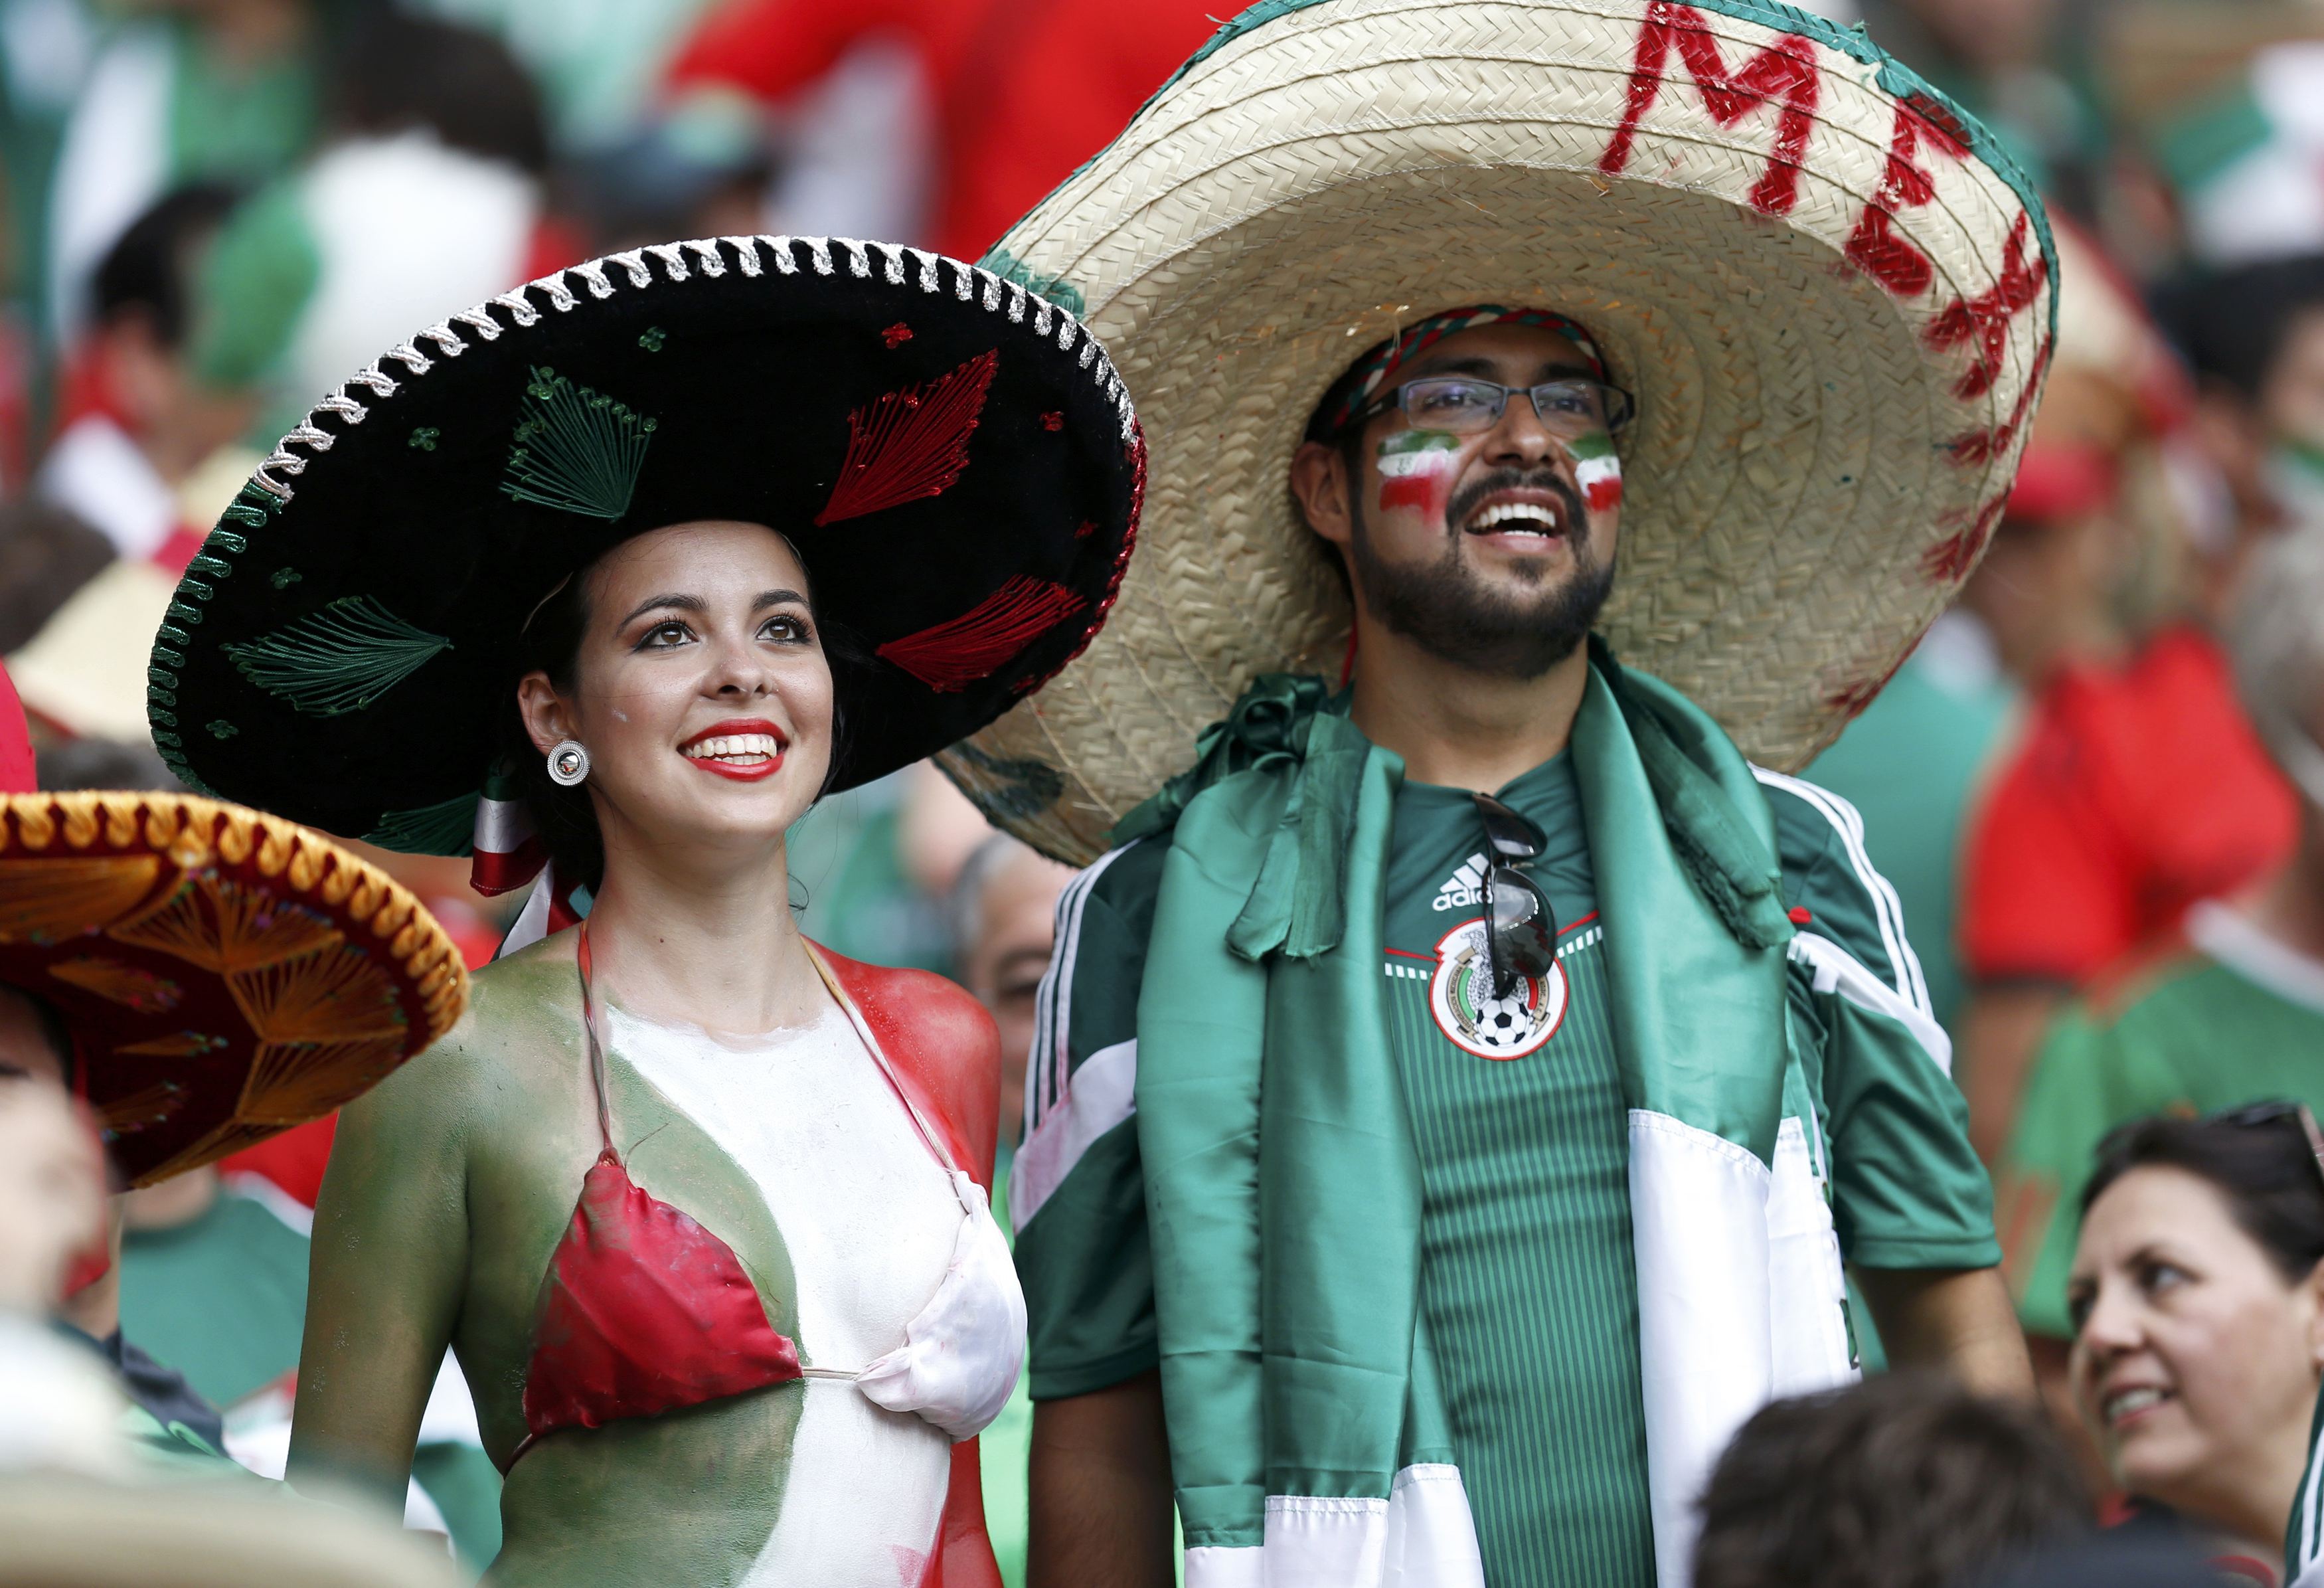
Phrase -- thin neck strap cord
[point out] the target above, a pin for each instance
(596, 1053)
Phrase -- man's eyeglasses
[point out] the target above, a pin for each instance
(1465, 405)
(1520, 935)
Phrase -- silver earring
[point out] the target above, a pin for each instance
(569, 764)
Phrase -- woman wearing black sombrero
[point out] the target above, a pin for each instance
(659, 549)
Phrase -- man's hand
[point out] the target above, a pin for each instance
(1101, 1500)
(1956, 1319)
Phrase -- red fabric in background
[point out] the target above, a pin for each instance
(2134, 793)
(1024, 90)
(294, 1160)
(19, 774)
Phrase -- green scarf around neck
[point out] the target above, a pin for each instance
(1283, 1188)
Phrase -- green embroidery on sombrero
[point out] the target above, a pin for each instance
(254, 506)
(1056, 289)
(443, 829)
(577, 450)
(221, 729)
(339, 659)
(284, 577)
(424, 438)
(652, 338)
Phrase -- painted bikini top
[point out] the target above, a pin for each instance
(644, 1311)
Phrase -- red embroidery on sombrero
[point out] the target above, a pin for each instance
(1785, 71)
(1948, 561)
(911, 444)
(1851, 700)
(1983, 321)
(956, 653)
(896, 335)
(1981, 447)
(1875, 247)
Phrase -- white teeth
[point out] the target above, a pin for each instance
(1524, 512)
(732, 746)
(2119, 1406)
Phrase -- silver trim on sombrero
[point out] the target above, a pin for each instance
(971, 283)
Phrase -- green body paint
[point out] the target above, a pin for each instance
(450, 1186)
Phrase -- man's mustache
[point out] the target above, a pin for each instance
(1464, 501)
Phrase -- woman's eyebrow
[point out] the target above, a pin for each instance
(779, 598)
(683, 602)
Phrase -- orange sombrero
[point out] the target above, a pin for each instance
(225, 974)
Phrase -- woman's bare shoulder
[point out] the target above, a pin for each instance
(521, 1029)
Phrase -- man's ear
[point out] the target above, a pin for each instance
(546, 719)
(1319, 480)
(2312, 1287)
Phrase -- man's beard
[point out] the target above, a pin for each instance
(1441, 606)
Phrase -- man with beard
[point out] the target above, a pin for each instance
(1456, 1091)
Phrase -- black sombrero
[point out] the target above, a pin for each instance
(952, 456)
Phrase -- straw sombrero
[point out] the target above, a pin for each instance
(224, 974)
(951, 455)
(1831, 294)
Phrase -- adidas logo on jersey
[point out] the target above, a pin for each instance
(1464, 888)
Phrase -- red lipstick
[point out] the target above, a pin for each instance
(743, 749)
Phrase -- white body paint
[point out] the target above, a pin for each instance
(870, 1219)
(1596, 471)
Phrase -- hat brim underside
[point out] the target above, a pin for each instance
(726, 381)
(1799, 502)
(224, 976)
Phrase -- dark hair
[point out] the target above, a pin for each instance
(2230, 324)
(2271, 1181)
(103, 763)
(55, 1035)
(396, 70)
(564, 819)
(47, 553)
(1905, 1480)
(147, 270)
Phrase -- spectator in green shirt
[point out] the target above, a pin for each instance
(2234, 1014)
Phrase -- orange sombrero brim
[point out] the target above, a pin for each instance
(225, 974)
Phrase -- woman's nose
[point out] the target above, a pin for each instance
(740, 670)
(2113, 1324)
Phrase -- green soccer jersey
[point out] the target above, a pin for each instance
(1525, 1270)
(1521, 1128)
(2238, 1019)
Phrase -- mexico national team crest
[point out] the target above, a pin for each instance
(1461, 997)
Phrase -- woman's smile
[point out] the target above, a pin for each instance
(746, 749)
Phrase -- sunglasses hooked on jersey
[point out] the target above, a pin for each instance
(1520, 933)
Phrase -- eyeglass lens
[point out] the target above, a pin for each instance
(1464, 405)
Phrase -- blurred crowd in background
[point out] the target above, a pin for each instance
(2098, 787)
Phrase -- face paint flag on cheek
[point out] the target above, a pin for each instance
(1416, 468)
(1597, 470)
